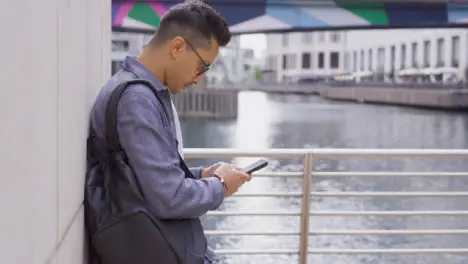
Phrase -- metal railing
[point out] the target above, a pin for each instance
(308, 155)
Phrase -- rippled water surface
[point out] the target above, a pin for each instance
(278, 121)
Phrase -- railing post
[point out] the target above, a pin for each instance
(305, 209)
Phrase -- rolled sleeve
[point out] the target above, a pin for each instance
(143, 137)
(197, 172)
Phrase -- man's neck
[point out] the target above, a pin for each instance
(157, 69)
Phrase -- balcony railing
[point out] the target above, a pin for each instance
(308, 156)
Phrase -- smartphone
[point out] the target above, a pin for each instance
(258, 165)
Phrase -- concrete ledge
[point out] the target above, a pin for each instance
(432, 98)
(207, 103)
(280, 88)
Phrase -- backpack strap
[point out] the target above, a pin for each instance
(112, 136)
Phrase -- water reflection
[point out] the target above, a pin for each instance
(278, 121)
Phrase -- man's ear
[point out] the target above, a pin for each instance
(177, 47)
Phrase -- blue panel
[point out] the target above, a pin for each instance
(292, 14)
(236, 13)
(401, 14)
(457, 12)
(295, 13)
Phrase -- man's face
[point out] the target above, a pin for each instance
(189, 63)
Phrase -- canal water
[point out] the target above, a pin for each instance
(279, 121)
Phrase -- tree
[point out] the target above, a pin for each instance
(258, 73)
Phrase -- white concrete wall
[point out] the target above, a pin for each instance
(55, 56)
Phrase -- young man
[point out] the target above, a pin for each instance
(185, 45)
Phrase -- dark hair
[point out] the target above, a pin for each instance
(196, 22)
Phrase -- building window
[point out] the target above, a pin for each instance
(427, 54)
(414, 55)
(285, 38)
(440, 52)
(403, 56)
(392, 57)
(306, 60)
(335, 37)
(347, 61)
(355, 61)
(307, 37)
(120, 45)
(370, 66)
(455, 51)
(115, 66)
(380, 59)
(334, 60)
(321, 60)
(362, 60)
(285, 63)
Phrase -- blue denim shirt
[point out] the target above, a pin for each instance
(148, 137)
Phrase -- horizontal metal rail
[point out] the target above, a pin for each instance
(363, 174)
(391, 251)
(340, 213)
(281, 251)
(390, 174)
(390, 213)
(391, 232)
(390, 194)
(326, 153)
(356, 194)
(339, 232)
(308, 154)
(254, 213)
(280, 174)
(278, 251)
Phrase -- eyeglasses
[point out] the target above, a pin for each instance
(204, 66)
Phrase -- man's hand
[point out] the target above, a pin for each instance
(208, 172)
(233, 178)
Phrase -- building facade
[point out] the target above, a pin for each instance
(380, 52)
(233, 65)
(124, 44)
(291, 55)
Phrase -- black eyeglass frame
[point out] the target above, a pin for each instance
(204, 66)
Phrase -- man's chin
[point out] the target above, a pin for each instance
(187, 86)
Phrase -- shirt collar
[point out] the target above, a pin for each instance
(131, 64)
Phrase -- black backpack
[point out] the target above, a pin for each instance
(119, 226)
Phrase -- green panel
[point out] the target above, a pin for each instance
(144, 13)
(372, 12)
